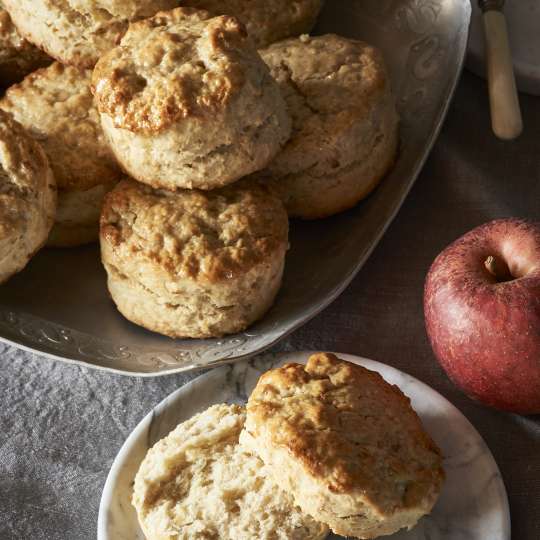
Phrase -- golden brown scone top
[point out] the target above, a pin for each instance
(326, 75)
(266, 20)
(177, 64)
(334, 88)
(24, 176)
(17, 56)
(204, 236)
(352, 431)
(56, 106)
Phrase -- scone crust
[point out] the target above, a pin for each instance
(206, 237)
(266, 20)
(187, 102)
(345, 126)
(18, 57)
(77, 32)
(193, 263)
(55, 105)
(346, 443)
(197, 483)
(179, 64)
(27, 197)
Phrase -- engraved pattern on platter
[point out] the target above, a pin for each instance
(419, 16)
(425, 58)
(65, 340)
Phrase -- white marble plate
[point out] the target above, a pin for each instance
(472, 506)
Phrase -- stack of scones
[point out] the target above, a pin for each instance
(183, 135)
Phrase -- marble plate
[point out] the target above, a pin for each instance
(59, 305)
(472, 506)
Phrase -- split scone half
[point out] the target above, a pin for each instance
(27, 197)
(345, 126)
(193, 263)
(187, 102)
(345, 444)
(56, 107)
(197, 483)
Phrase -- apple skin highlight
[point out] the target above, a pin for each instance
(484, 328)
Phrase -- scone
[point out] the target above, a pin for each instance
(266, 20)
(197, 484)
(346, 444)
(187, 102)
(345, 126)
(78, 32)
(27, 197)
(55, 105)
(18, 57)
(193, 263)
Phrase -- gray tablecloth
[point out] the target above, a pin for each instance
(61, 426)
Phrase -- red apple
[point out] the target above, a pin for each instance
(482, 312)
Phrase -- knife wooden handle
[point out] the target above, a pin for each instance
(506, 119)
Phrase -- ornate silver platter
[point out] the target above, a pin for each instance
(59, 305)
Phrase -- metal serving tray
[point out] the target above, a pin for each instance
(59, 305)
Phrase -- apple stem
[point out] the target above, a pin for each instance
(498, 268)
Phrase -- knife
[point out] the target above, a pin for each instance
(506, 120)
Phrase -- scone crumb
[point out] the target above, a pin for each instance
(197, 483)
